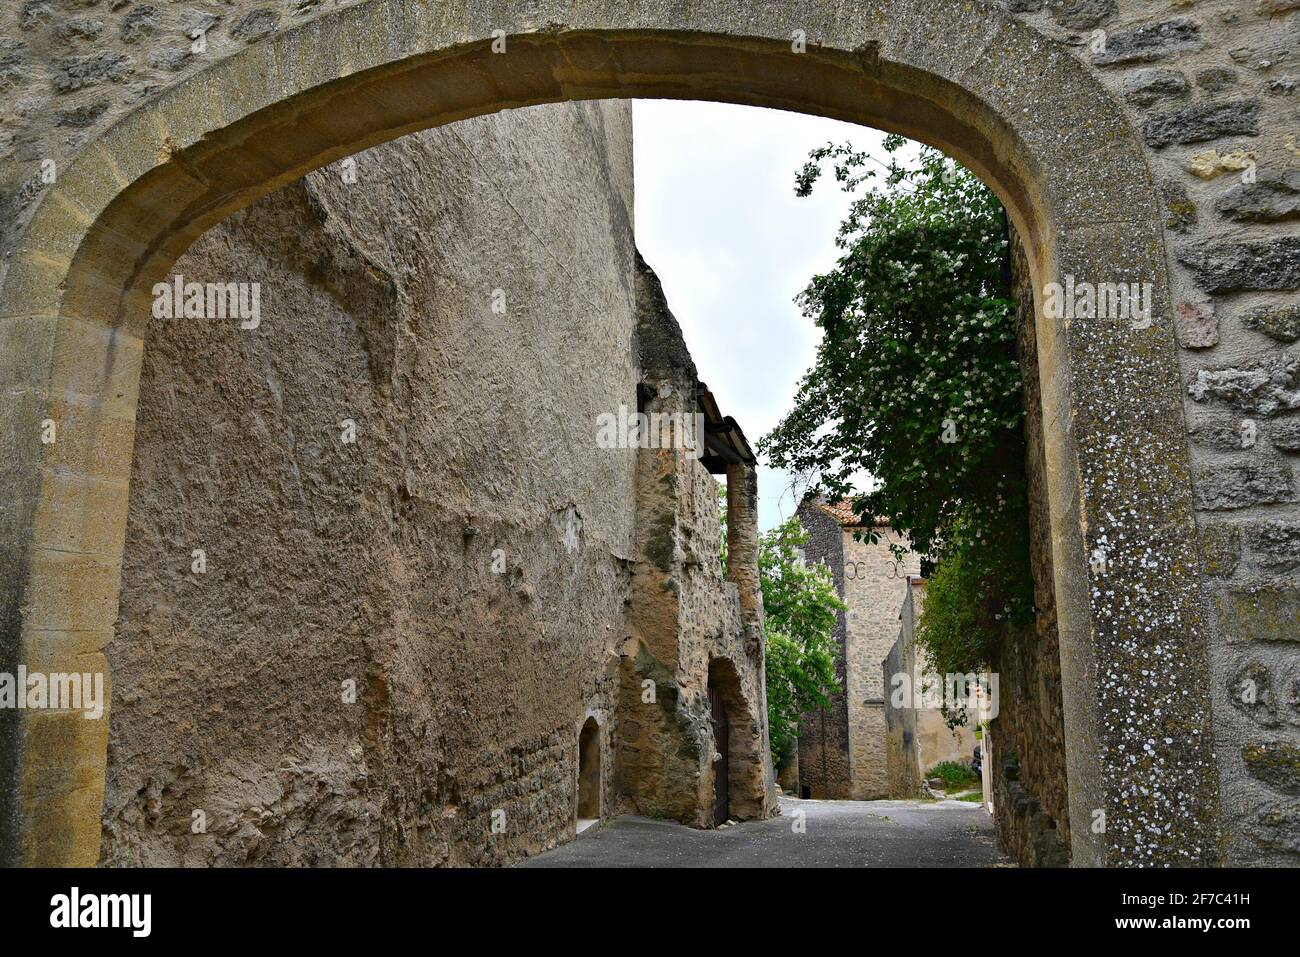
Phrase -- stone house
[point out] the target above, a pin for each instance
(842, 749)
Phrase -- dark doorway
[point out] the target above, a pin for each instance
(589, 774)
(722, 762)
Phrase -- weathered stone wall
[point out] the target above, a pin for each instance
(824, 770)
(1203, 83)
(1212, 86)
(874, 589)
(1026, 744)
(373, 562)
(737, 665)
(720, 643)
(842, 749)
(466, 562)
(686, 625)
(68, 68)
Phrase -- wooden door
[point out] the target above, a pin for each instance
(721, 766)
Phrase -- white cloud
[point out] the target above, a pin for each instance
(717, 218)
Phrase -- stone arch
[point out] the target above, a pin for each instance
(1016, 108)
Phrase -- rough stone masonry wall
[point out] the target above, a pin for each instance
(1030, 787)
(917, 738)
(1212, 85)
(716, 644)
(373, 562)
(740, 671)
(874, 591)
(685, 623)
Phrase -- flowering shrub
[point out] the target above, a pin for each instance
(800, 608)
(917, 383)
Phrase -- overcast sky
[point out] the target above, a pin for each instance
(717, 218)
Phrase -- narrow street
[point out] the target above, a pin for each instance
(835, 834)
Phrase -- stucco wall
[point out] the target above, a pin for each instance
(373, 561)
(916, 738)
(935, 741)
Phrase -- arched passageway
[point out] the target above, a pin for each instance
(589, 776)
(1022, 113)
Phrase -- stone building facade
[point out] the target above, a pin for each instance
(1131, 141)
(842, 749)
(424, 577)
(916, 737)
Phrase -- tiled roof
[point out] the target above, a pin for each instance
(842, 512)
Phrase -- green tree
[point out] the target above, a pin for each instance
(917, 382)
(800, 607)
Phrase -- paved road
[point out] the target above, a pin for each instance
(836, 834)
